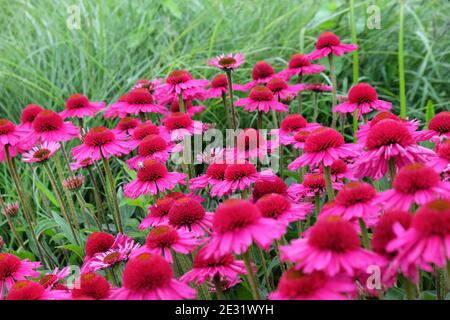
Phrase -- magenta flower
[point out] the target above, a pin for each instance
(261, 74)
(142, 131)
(328, 43)
(152, 178)
(48, 126)
(236, 224)
(281, 90)
(261, 99)
(138, 101)
(116, 109)
(10, 134)
(101, 142)
(41, 153)
(50, 280)
(312, 183)
(181, 82)
(178, 124)
(280, 208)
(29, 290)
(300, 65)
(79, 106)
(28, 115)
(317, 87)
(215, 173)
(191, 110)
(439, 127)
(13, 269)
(293, 125)
(127, 125)
(188, 214)
(362, 98)
(441, 162)
(230, 61)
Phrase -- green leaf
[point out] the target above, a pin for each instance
(65, 228)
(429, 112)
(74, 248)
(47, 193)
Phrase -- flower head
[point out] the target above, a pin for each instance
(329, 43)
(79, 106)
(48, 126)
(300, 64)
(92, 287)
(41, 153)
(13, 269)
(261, 99)
(230, 61)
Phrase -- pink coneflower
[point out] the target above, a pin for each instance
(268, 186)
(13, 269)
(236, 224)
(149, 277)
(189, 215)
(79, 106)
(299, 65)
(211, 155)
(191, 110)
(178, 124)
(426, 242)
(51, 280)
(152, 178)
(278, 207)
(139, 101)
(153, 147)
(9, 133)
(236, 177)
(439, 126)
(92, 287)
(127, 125)
(218, 86)
(143, 130)
(11, 209)
(48, 126)
(250, 143)
(389, 140)
(261, 74)
(215, 173)
(261, 99)
(323, 146)
(441, 162)
(297, 285)
(101, 142)
(332, 246)
(356, 200)
(84, 163)
(73, 183)
(41, 153)
(312, 184)
(223, 267)
(329, 43)
(116, 110)
(282, 90)
(339, 170)
(181, 82)
(150, 85)
(293, 125)
(162, 239)
(317, 87)
(230, 61)
(362, 98)
(414, 183)
(28, 115)
(29, 290)
(100, 242)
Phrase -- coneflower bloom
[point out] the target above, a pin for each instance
(297, 285)
(356, 200)
(29, 290)
(79, 106)
(218, 86)
(139, 101)
(204, 269)
(149, 277)
(230, 61)
(236, 177)
(317, 87)
(282, 90)
(312, 184)
(84, 163)
(162, 239)
(10, 134)
(414, 183)
(329, 43)
(116, 109)
(178, 124)
(11, 209)
(293, 124)
(441, 162)
(41, 153)
(332, 246)
(389, 140)
(280, 208)
(300, 65)
(101, 142)
(323, 146)
(127, 125)
(51, 280)
(13, 269)
(267, 186)
(92, 286)
(152, 178)
(210, 155)
(362, 98)
(153, 147)
(426, 242)
(189, 215)
(181, 82)
(439, 126)
(28, 115)
(261, 74)
(143, 130)
(100, 242)
(191, 110)
(250, 143)
(214, 174)
(339, 170)
(150, 85)
(261, 99)
(236, 224)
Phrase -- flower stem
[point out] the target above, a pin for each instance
(260, 120)
(264, 265)
(355, 124)
(225, 108)
(316, 203)
(364, 234)
(410, 289)
(113, 195)
(299, 97)
(328, 183)
(333, 90)
(392, 172)
(401, 61)
(98, 200)
(218, 286)
(354, 41)
(230, 92)
(251, 276)
(315, 107)
(181, 104)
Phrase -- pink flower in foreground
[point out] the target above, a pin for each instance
(41, 153)
(299, 65)
(181, 82)
(9, 133)
(152, 178)
(142, 131)
(389, 140)
(293, 125)
(296, 285)
(163, 239)
(439, 126)
(138, 101)
(362, 98)
(262, 72)
(92, 287)
(414, 183)
(225, 267)
(127, 125)
(261, 99)
(426, 242)
(230, 61)
(281, 90)
(48, 126)
(79, 106)
(116, 109)
(149, 277)
(29, 290)
(188, 214)
(339, 170)
(13, 269)
(50, 280)
(441, 162)
(215, 173)
(101, 142)
(332, 246)
(328, 43)
(236, 177)
(278, 207)
(268, 186)
(28, 115)
(178, 124)
(323, 146)
(236, 224)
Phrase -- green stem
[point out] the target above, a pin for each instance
(299, 97)
(181, 104)
(264, 265)
(251, 276)
(225, 108)
(98, 199)
(410, 289)
(401, 61)
(364, 234)
(316, 203)
(315, 107)
(333, 90)
(218, 286)
(113, 195)
(354, 41)
(392, 172)
(260, 120)
(230, 92)
(329, 184)
(355, 124)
